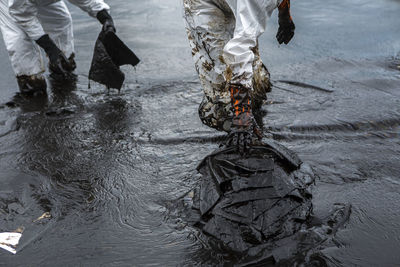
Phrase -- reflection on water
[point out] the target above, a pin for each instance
(105, 166)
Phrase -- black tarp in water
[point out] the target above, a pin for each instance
(259, 206)
(109, 54)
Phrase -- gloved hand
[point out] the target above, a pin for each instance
(286, 25)
(107, 21)
(58, 63)
(244, 128)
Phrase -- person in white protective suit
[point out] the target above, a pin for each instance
(223, 35)
(27, 25)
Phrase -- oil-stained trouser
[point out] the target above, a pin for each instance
(223, 35)
(25, 55)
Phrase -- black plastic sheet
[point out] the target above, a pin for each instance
(259, 207)
(245, 201)
(109, 54)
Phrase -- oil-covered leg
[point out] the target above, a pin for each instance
(239, 53)
(261, 81)
(242, 57)
(209, 27)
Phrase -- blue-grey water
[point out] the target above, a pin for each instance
(105, 165)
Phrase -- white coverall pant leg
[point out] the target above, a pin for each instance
(211, 25)
(56, 21)
(23, 52)
(251, 21)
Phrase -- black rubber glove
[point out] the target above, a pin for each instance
(58, 63)
(286, 25)
(105, 18)
(244, 129)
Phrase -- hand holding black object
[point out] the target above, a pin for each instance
(58, 63)
(105, 18)
(286, 25)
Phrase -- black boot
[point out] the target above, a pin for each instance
(31, 86)
(244, 128)
(32, 95)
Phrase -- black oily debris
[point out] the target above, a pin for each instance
(259, 206)
(109, 54)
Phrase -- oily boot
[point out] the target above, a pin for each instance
(33, 85)
(244, 129)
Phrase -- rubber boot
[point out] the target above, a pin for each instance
(33, 85)
(244, 128)
(243, 119)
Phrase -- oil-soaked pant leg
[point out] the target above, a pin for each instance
(261, 81)
(57, 22)
(209, 27)
(24, 54)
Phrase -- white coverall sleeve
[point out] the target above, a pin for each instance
(24, 12)
(92, 7)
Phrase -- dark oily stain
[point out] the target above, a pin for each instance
(208, 66)
(60, 112)
(305, 85)
(24, 199)
(394, 64)
(258, 207)
(29, 103)
(199, 139)
(109, 54)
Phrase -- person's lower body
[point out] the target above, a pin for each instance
(211, 25)
(25, 55)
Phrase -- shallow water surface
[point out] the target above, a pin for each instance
(104, 166)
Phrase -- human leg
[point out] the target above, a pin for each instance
(24, 54)
(261, 81)
(245, 71)
(240, 53)
(57, 23)
(209, 26)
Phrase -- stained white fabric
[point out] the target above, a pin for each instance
(251, 20)
(242, 20)
(223, 36)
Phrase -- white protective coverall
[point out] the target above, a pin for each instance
(223, 35)
(22, 22)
